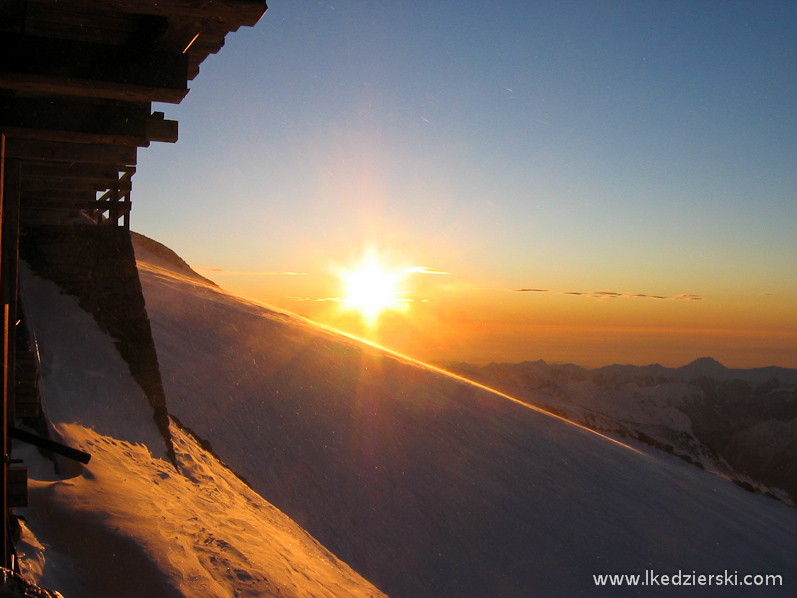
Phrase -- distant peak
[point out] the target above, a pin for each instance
(705, 365)
(707, 361)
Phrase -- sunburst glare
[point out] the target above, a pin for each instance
(372, 288)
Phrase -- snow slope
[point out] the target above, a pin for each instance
(130, 524)
(428, 485)
(742, 423)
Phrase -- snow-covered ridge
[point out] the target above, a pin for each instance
(742, 423)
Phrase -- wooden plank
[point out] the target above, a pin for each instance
(69, 200)
(34, 150)
(47, 444)
(89, 89)
(77, 120)
(62, 195)
(63, 171)
(74, 205)
(56, 66)
(159, 129)
(9, 265)
(55, 20)
(166, 33)
(47, 187)
(74, 137)
(242, 12)
(43, 217)
(28, 54)
(63, 15)
(4, 358)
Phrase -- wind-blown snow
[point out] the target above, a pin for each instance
(130, 524)
(430, 486)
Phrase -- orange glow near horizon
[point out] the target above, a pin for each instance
(455, 315)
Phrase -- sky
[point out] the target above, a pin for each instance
(580, 182)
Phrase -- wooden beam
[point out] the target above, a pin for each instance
(74, 205)
(4, 358)
(59, 20)
(9, 263)
(46, 187)
(64, 170)
(159, 129)
(75, 194)
(63, 196)
(89, 89)
(34, 150)
(74, 137)
(73, 120)
(241, 12)
(69, 67)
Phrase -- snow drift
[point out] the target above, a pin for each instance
(130, 523)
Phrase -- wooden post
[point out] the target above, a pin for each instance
(6, 555)
(9, 261)
(6, 456)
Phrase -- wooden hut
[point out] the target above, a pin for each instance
(77, 82)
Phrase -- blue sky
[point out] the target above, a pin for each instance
(576, 147)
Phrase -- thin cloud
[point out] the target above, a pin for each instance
(425, 270)
(598, 294)
(342, 300)
(250, 272)
(616, 295)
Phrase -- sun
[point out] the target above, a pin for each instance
(372, 288)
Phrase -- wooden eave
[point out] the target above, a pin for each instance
(77, 82)
(238, 12)
(75, 68)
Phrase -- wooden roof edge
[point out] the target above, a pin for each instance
(234, 12)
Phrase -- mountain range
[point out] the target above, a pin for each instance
(740, 423)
